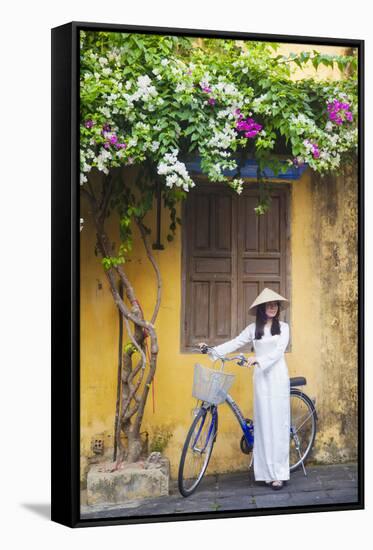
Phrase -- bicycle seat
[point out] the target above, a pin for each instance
(298, 381)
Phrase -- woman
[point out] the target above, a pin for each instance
(269, 337)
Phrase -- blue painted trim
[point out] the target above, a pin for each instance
(249, 170)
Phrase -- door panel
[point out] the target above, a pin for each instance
(262, 256)
(211, 265)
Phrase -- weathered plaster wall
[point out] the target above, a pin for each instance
(324, 324)
(334, 211)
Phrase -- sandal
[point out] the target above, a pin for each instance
(276, 485)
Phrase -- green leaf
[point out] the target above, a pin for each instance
(189, 130)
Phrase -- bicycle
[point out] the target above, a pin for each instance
(210, 387)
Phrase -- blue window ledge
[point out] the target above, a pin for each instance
(249, 170)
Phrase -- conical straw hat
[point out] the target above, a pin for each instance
(268, 295)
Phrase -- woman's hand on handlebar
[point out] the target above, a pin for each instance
(251, 361)
(203, 347)
(243, 361)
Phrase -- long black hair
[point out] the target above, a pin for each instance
(261, 319)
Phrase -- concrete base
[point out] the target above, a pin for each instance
(132, 481)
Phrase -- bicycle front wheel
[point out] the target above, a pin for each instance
(197, 450)
(302, 428)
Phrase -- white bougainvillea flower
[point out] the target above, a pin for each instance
(175, 171)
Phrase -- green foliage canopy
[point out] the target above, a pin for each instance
(157, 101)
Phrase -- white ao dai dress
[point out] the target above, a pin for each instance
(271, 400)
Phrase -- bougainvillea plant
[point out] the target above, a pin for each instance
(155, 102)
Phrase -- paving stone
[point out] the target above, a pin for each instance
(244, 492)
(236, 489)
(329, 484)
(343, 495)
(310, 498)
(351, 468)
(305, 488)
(193, 509)
(208, 483)
(272, 500)
(333, 472)
(198, 495)
(240, 503)
(204, 505)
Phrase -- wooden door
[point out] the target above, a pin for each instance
(229, 255)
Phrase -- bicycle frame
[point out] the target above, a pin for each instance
(247, 431)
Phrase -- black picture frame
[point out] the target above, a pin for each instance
(65, 274)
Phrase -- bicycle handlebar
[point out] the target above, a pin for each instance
(241, 358)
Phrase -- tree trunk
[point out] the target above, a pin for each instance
(132, 405)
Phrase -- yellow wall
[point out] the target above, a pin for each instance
(322, 342)
(323, 72)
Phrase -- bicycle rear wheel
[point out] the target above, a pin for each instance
(302, 427)
(197, 450)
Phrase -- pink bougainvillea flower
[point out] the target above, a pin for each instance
(212, 101)
(315, 151)
(249, 126)
(313, 147)
(339, 112)
(113, 139)
(88, 123)
(120, 145)
(297, 161)
(205, 88)
(251, 134)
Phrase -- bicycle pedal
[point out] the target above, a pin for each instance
(245, 448)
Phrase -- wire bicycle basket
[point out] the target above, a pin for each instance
(211, 385)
